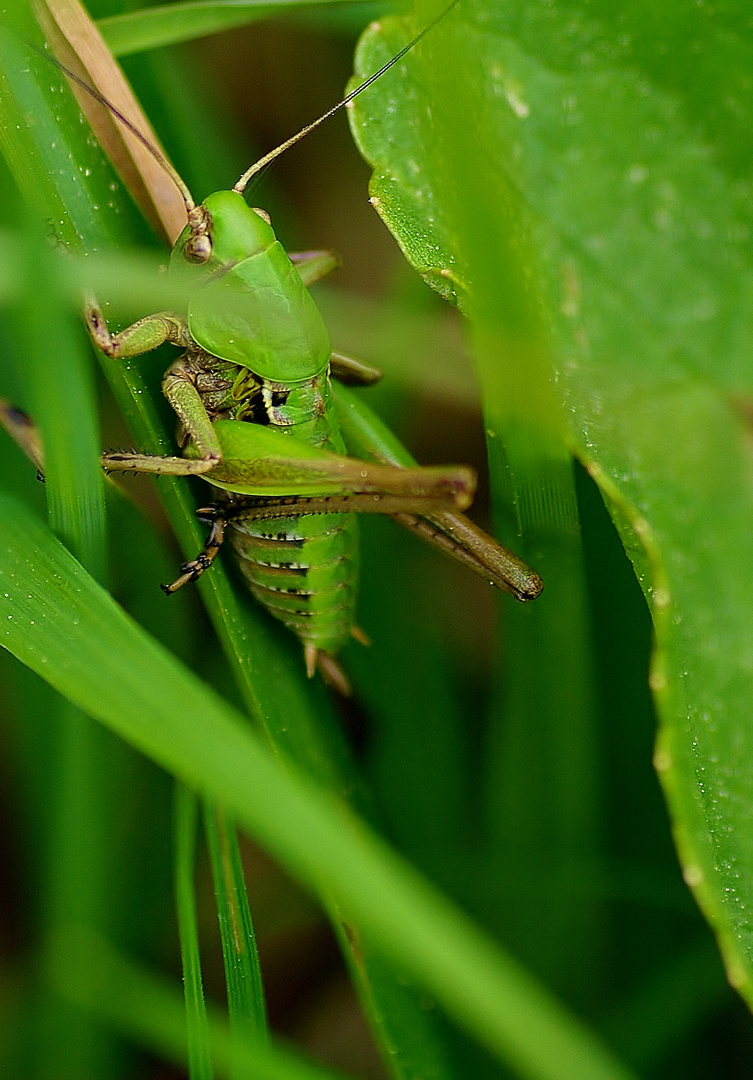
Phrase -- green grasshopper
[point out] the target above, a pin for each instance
(262, 422)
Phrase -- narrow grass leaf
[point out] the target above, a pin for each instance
(150, 1010)
(170, 23)
(57, 372)
(240, 957)
(58, 377)
(79, 46)
(61, 173)
(197, 1024)
(56, 619)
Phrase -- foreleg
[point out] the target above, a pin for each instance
(141, 337)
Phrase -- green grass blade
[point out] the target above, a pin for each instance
(148, 1009)
(76, 886)
(56, 365)
(58, 374)
(197, 1025)
(58, 378)
(61, 174)
(240, 957)
(130, 278)
(168, 24)
(58, 621)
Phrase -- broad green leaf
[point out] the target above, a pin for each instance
(619, 137)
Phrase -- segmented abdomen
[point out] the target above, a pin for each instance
(304, 570)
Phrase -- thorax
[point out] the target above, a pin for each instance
(232, 392)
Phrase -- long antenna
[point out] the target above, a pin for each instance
(198, 247)
(240, 187)
(156, 153)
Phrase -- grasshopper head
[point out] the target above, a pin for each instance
(247, 302)
(224, 231)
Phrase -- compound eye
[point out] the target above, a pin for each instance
(198, 249)
(262, 214)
